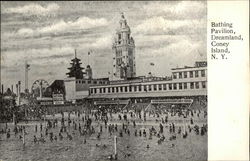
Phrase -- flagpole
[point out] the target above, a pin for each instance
(154, 69)
(88, 57)
(25, 75)
(115, 142)
(23, 137)
(27, 81)
(151, 66)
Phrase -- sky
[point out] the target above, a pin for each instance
(45, 34)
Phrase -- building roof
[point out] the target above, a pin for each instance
(198, 64)
(151, 94)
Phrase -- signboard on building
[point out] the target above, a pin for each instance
(58, 102)
(45, 100)
(46, 103)
(58, 99)
(201, 64)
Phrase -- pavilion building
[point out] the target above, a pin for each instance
(186, 85)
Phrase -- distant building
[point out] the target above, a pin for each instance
(77, 89)
(123, 52)
(75, 70)
(78, 82)
(76, 86)
(57, 87)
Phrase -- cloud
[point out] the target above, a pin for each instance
(186, 49)
(33, 9)
(56, 54)
(37, 56)
(102, 42)
(170, 56)
(25, 31)
(82, 23)
(177, 10)
(188, 53)
(160, 25)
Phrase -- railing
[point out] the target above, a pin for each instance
(172, 101)
(111, 102)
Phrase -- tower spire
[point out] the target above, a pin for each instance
(122, 15)
(75, 53)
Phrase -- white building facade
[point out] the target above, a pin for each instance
(187, 81)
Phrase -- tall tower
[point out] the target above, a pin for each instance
(123, 52)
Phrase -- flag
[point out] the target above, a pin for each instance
(152, 64)
(90, 51)
(27, 66)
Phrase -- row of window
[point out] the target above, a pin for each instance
(120, 63)
(154, 87)
(90, 82)
(118, 53)
(127, 41)
(192, 74)
(128, 57)
(120, 36)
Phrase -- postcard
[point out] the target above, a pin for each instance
(124, 80)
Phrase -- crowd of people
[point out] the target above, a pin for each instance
(158, 123)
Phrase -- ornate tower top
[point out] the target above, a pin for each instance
(123, 25)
